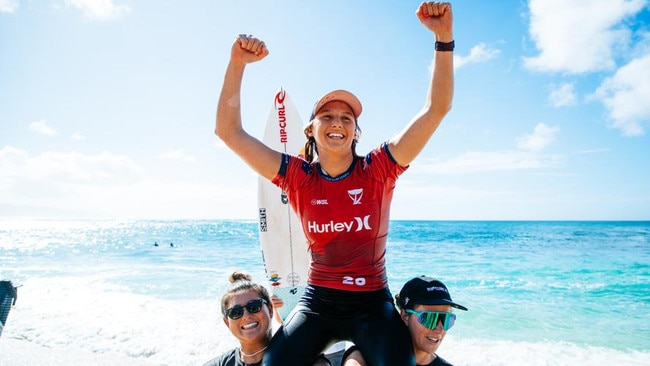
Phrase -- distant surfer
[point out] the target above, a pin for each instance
(343, 202)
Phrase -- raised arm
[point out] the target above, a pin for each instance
(264, 160)
(405, 146)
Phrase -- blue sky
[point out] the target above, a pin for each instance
(107, 106)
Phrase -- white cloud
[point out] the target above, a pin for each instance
(220, 145)
(477, 161)
(642, 47)
(593, 151)
(8, 6)
(18, 169)
(562, 95)
(626, 96)
(78, 136)
(99, 9)
(109, 185)
(42, 128)
(478, 53)
(539, 139)
(178, 155)
(577, 36)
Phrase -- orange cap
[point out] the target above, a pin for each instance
(343, 96)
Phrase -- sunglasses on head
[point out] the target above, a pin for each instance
(430, 319)
(253, 306)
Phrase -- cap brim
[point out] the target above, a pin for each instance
(440, 302)
(343, 96)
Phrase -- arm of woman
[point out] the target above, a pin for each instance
(405, 146)
(264, 160)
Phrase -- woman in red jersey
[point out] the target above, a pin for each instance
(343, 201)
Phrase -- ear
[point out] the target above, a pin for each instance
(226, 321)
(405, 316)
(309, 130)
(357, 134)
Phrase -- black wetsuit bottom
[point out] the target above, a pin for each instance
(324, 316)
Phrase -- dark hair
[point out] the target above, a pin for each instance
(310, 145)
(242, 282)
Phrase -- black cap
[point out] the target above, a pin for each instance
(425, 291)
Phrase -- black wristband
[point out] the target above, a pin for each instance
(445, 46)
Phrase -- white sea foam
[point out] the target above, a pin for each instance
(466, 352)
(82, 318)
(80, 321)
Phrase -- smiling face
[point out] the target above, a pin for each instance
(250, 329)
(334, 128)
(425, 341)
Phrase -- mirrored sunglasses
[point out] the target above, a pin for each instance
(430, 319)
(253, 306)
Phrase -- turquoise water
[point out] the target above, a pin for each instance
(580, 289)
(581, 282)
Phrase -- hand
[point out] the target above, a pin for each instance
(248, 49)
(437, 17)
(276, 301)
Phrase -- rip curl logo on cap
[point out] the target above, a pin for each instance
(437, 288)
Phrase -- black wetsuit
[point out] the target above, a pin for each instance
(229, 358)
(438, 361)
(368, 319)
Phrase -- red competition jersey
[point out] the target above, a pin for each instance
(345, 218)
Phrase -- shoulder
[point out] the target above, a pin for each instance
(293, 163)
(381, 153)
(228, 358)
(380, 163)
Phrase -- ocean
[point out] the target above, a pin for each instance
(538, 293)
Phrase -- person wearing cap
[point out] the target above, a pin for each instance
(343, 202)
(426, 308)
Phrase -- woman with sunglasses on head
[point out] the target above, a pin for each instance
(425, 306)
(343, 201)
(247, 311)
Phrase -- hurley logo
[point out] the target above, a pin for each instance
(337, 227)
(355, 195)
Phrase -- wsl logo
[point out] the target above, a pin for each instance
(358, 224)
(282, 115)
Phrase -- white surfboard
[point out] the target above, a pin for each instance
(284, 246)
